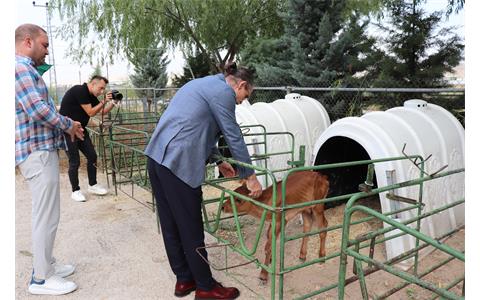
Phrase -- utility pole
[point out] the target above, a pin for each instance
(51, 57)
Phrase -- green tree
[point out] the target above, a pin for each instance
(150, 67)
(328, 49)
(271, 59)
(217, 28)
(321, 47)
(377, 8)
(96, 71)
(418, 52)
(454, 5)
(196, 66)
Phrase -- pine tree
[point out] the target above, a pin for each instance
(418, 53)
(271, 59)
(197, 65)
(319, 47)
(96, 71)
(322, 46)
(150, 66)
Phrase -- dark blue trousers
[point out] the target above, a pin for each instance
(180, 214)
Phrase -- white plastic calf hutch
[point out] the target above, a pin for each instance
(426, 129)
(302, 116)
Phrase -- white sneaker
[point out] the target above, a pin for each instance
(97, 189)
(54, 285)
(63, 270)
(78, 196)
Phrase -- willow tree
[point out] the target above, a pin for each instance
(217, 28)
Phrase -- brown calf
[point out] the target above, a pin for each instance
(301, 187)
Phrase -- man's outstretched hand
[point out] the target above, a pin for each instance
(254, 186)
(226, 169)
(76, 131)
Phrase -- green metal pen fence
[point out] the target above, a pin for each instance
(126, 165)
(347, 244)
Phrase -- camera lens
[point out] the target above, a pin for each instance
(117, 95)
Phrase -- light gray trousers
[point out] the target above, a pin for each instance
(41, 171)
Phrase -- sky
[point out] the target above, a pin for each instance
(68, 72)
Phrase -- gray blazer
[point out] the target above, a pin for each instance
(187, 133)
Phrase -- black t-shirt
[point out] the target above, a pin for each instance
(72, 101)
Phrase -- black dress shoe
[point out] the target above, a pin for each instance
(218, 292)
(184, 288)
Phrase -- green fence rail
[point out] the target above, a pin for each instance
(408, 277)
(128, 163)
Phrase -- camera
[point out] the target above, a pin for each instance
(116, 95)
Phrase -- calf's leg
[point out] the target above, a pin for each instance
(307, 226)
(321, 223)
(268, 251)
(268, 256)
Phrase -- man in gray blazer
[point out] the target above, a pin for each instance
(184, 140)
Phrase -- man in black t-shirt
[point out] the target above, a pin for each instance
(80, 103)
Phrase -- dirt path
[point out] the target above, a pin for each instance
(113, 242)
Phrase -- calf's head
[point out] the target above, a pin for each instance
(242, 205)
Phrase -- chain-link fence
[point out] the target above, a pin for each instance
(338, 101)
(343, 102)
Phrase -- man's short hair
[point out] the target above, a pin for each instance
(99, 77)
(27, 29)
